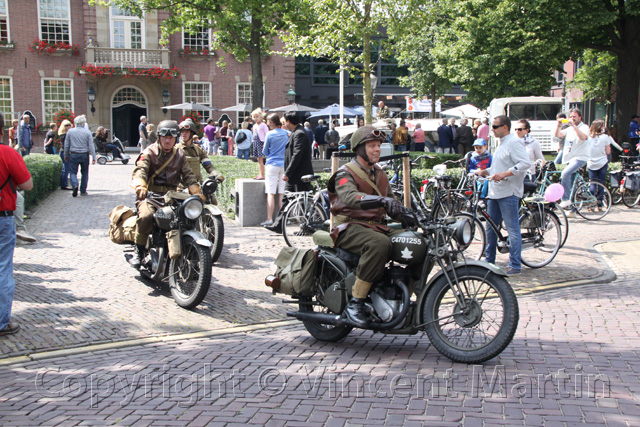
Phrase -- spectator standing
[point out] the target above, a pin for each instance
(297, 158)
(598, 162)
(464, 136)
(474, 128)
(14, 173)
(445, 138)
(13, 134)
(534, 151)
(454, 130)
(332, 139)
(400, 137)
(260, 130)
(274, 147)
(26, 142)
(77, 149)
(483, 129)
(508, 167)
(319, 133)
(575, 152)
(210, 132)
(231, 133)
(64, 174)
(634, 133)
(244, 142)
(224, 138)
(142, 131)
(50, 138)
(312, 137)
(153, 135)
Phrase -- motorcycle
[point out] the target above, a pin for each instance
(177, 252)
(467, 309)
(210, 222)
(104, 157)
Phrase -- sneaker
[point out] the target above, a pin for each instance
(24, 236)
(513, 272)
(571, 214)
(84, 194)
(565, 204)
(11, 328)
(75, 192)
(267, 223)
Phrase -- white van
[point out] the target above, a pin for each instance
(539, 110)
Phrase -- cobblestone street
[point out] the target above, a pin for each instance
(574, 359)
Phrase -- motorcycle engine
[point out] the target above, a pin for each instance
(387, 297)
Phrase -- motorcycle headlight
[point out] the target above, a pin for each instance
(462, 231)
(193, 207)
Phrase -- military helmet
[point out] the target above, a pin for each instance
(364, 134)
(188, 124)
(168, 127)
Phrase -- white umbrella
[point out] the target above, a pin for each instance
(239, 107)
(294, 107)
(189, 106)
(466, 110)
(334, 110)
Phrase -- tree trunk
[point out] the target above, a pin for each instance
(628, 74)
(433, 101)
(366, 80)
(255, 56)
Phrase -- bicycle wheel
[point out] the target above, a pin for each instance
(616, 195)
(564, 223)
(592, 205)
(299, 225)
(541, 238)
(630, 197)
(449, 205)
(475, 249)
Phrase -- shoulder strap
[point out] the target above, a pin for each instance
(164, 165)
(363, 176)
(10, 182)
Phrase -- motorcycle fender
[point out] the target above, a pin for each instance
(198, 237)
(491, 267)
(213, 209)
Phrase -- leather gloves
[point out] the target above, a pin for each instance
(195, 190)
(393, 207)
(140, 186)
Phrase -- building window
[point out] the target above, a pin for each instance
(4, 22)
(57, 94)
(129, 95)
(6, 105)
(126, 30)
(199, 93)
(245, 95)
(54, 21)
(198, 40)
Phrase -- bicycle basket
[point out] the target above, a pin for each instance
(632, 181)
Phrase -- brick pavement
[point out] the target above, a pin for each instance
(574, 361)
(73, 287)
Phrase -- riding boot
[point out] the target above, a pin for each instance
(354, 311)
(138, 256)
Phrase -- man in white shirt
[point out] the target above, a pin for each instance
(576, 151)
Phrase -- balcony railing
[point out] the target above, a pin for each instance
(137, 58)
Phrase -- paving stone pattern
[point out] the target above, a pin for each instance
(574, 361)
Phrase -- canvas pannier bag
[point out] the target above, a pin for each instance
(296, 271)
(632, 181)
(123, 225)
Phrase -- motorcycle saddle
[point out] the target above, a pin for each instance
(347, 256)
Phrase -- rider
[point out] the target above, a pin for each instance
(361, 230)
(160, 168)
(194, 153)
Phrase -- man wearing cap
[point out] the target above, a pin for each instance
(358, 228)
(160, 168)
(194, 153)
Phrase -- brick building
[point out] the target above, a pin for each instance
(46, 82)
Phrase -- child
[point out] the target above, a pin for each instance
(480, 160)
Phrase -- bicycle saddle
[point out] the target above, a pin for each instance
(309, 178)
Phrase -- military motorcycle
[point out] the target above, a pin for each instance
(177, 252)
(210, 222)
(467, 308)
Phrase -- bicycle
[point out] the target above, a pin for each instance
(304, 213)
(624, 181)
(438, 196)
(542, 180)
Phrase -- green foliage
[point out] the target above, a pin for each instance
(45, 170)
(597, 77)
(231, 168)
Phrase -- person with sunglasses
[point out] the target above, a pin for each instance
(523, 131)
(358, 229)
(506, 187)
(161, 167)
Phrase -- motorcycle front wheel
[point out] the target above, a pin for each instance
(190, 274)
(330, 333)
(481, 330)
(212, 227)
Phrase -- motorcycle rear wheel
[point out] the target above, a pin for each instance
(212, 227)
(485, 329)
(190, 275)
(322, 332)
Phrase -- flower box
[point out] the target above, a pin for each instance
(7, 47)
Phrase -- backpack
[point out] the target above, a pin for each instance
(241, 137)
(122, 228)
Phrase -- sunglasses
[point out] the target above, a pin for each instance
(520, 129)
(168, 131)
(496, 126)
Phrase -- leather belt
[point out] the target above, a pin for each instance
(160, 188)
(6, 213)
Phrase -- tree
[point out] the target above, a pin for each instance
(242, 28)
(343, 32)
(597, 77)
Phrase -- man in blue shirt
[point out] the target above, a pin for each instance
(634, 131)
(275, 144)
(445, 138)
(26, 142)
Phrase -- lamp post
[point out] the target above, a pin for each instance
(91, 96)
(291, 95)
(166, 96)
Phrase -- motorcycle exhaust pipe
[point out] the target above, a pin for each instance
(325, 319)
(273, 282)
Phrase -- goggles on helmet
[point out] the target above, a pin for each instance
(168, 131)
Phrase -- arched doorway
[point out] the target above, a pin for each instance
(127, 106)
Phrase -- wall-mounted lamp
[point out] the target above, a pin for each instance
(291, 95)
(166, 97)
(91, 96)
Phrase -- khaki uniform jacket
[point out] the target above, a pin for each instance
(176, 172)
(195, 156)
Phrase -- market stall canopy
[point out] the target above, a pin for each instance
(334, 111)
(294, 107)
(239, 107)
(190, 106)
(466, 110)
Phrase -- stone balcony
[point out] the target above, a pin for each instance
(136, 58)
